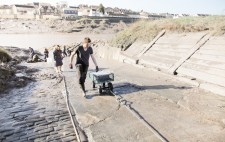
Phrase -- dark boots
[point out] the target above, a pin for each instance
(83, 89)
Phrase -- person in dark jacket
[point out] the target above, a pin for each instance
(64, 51)
(82, 63)
(58, 57)
(46, 54)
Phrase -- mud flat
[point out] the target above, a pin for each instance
(37, 112)
(46, 40)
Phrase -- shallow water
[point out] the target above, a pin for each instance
(37, 41)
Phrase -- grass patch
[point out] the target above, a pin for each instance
(146, 30)
(4, 56)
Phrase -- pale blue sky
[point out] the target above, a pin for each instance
(171, 6)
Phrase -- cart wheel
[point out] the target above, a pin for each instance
(110, 85)
(94, 85)
(100, 90)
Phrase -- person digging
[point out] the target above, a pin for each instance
(82, 63)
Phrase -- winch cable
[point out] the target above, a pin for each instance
(135, 113)
(81, 137)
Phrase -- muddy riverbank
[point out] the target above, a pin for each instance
(37, 41)
(37, 112)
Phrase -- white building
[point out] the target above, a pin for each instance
(175, 16)
(62, 4)
(6, 10)
(69, 13)
(23, 10)
(95, 12)
(144, 15)
(134, 15)
(111, 14)
(84, 12)
(44, 9)
(200, 15)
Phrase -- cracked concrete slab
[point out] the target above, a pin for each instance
(178, 110)
(103, 119)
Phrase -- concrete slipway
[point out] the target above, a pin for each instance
(180, 111)
(197, 56)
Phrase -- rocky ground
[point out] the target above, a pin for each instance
(51, 26)
(29, 118)
(12, 74)
(32, 105)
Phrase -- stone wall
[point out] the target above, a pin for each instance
(208, 63)
(111, 19)
(169, 49)
(197, 56)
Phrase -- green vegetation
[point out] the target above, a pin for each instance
(4, 56)
(145, 30)
(102, 9)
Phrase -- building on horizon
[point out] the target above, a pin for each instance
(69, 13)
(61, 9)
(23, 10)
(6, 10)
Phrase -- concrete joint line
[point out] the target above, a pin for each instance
(192, 51)
(98, 121)
(152, 43)
(81, 136)
(136, 114)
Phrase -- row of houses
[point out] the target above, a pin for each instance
(62, 9)
(34, 9)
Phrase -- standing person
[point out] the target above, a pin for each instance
(82, 63)
(58, 57)
(31, 52)
(64, 51)
(69, 51)
(46, 54)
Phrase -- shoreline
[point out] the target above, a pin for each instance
(26, 113)
(38, 41)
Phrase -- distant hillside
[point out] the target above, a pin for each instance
(146, 30)
(84, 25)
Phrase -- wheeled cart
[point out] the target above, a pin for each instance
(104, 81)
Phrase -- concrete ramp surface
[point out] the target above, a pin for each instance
(208, 63)
(169, 49)
(180, 112)
(103, 119)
